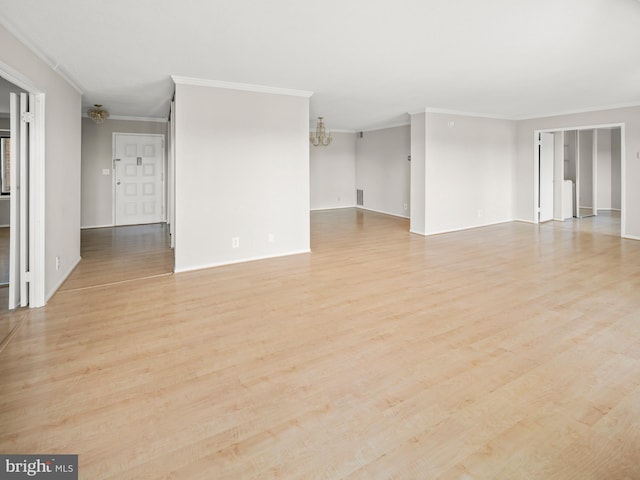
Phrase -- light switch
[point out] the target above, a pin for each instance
(106, 171)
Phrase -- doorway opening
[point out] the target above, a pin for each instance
(579, 173)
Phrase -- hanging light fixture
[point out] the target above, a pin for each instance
(97, 113)
(320, 139)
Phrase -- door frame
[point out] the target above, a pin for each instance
(36, 211)
(163, 162)
(623, 163)
(553, 168)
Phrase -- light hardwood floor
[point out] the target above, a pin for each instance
(119, 254)
(505, 352)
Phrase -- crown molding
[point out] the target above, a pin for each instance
(334, 130)
(138, 119)
(246, 87)
(50, 62)
(385, 127)
(575, 112)
(446, 111)
(133, 119)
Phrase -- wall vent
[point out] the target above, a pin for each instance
(359, 198)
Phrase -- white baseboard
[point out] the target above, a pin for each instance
(523, 221)
(630, 237)
(240, 260)
(440, 232)
(382, 211)
(89, 227)
(417, 233)
(62, 279)
(331, 208)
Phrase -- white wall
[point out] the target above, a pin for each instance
(332, 171)
(242, 170)
(97, 155)
(417, 174)
(616, 173)
(469, 171)
(604, 168)
(62, 159)
(525, 167)
(383, 170)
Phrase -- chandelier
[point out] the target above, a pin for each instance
(320, 139)
(97, 113)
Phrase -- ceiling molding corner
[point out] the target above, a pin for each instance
(578, 111)
(50, 62)
(133, 119)
(447, 111)
(246, 87)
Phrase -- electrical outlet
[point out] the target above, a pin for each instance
(271, 238)
(235, 242)
(57, 263)
(480, 213)
(406, 206)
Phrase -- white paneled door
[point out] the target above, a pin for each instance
(138, 179)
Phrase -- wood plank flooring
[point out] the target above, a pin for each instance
(118, 254)
(504, 352)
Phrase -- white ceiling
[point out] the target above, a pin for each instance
(369, 62)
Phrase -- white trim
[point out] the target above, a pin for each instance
(574, 112)
(63, 279)
(623, 181)
(391, 125)
(417, 112)
(630, 237)
(415, 232)
(246, 87)
(90, 227)
(133, 119)
(588, 127)
(453, 230)
(240, 260)
(331, 208)
(360, 207)
(37, 205)
(334, 130)
(523, 221)
(15, 77)
(446, 111)
(610, 209)
(51, 63)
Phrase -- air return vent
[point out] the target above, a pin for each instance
(359, 198)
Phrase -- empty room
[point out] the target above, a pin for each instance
(296, 240)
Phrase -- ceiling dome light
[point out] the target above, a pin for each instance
(97, 113)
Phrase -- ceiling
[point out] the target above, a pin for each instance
(369, 62)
